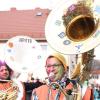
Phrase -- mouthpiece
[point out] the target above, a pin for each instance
(51, 74)
(4, 80)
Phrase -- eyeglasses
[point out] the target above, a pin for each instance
(54, 65)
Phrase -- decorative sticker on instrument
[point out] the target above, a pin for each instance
(9, 50)
(58, 22)
(78, 47)
(66, 42)
(72, 8)
(62, 35)
(26, 40)
(39, 57)
(10, 44)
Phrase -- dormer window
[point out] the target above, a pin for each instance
(39, 14)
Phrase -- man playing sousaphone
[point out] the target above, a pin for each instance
(9, 89)
(59, 86)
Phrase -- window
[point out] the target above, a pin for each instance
(39, 14)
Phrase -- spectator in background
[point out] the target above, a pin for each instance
(9, 89)
(96, 93)
(31, 84)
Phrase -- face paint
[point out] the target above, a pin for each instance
(59, 73)
(55, 66)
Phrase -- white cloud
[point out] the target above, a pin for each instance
(26, 4)
(23, 4)
(30, 4)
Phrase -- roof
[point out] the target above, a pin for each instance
(23, 22)
(95, 69)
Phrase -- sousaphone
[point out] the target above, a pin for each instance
(73, 26)
(23, 54)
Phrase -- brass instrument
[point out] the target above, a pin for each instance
(73, 27)
(10, 93)
(83, 69)
(13, 92)
(74, 93)
(58, 87)
(17, 57)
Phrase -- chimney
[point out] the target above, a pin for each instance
(13, 9)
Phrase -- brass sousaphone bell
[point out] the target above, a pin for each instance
(72, 27)
(79, 22)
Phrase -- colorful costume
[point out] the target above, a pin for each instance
(55, 91)
(10, 90)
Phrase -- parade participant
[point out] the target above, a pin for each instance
(59, 86)
(9, 89)
(31, 84)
